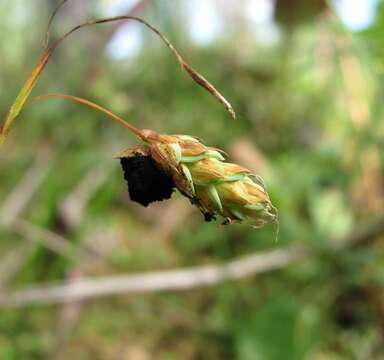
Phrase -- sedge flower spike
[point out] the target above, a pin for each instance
(197, 171)
(200, 173)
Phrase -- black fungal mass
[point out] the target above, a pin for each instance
(146, 182)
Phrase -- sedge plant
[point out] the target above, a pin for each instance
(165, 162)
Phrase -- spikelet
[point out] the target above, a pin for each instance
(200, 173)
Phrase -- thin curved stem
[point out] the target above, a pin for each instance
(198, 78)
(26, 90)
(49, 25)
(93, 105)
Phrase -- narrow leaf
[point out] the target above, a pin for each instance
(47, 53)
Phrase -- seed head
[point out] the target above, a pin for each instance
(200, 173)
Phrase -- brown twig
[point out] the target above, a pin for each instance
(185, 278)
(73, 207)
(47, 238)
(179, 279)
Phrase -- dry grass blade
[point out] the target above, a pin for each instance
(210, 88)
(199, 79)
(50, 21)
(47, 53)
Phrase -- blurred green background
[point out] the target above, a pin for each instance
(306, 80)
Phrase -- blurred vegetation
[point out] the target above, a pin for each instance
(309, 121)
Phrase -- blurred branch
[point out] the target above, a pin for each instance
(23, 192)
(180, 279)
(185, 278)
(49, 239)
(11, 263)
(20, 197)
(13, 207)
(72, 208)
(71, 212)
